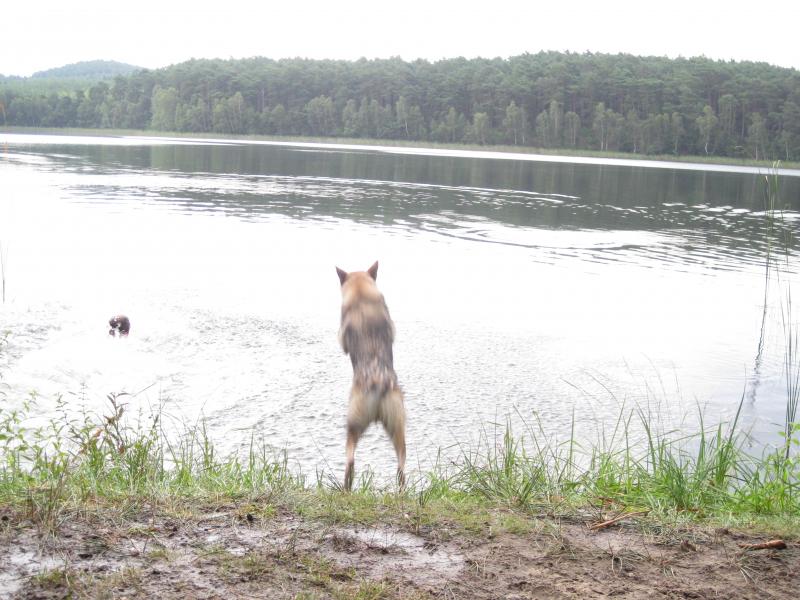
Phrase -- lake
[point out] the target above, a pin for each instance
(550, 292)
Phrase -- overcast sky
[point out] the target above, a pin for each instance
(38, 35)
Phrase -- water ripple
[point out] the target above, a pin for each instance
(668, 233)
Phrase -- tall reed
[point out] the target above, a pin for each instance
(3, 260)
(777, 228)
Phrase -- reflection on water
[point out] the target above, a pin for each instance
(700, 218)
(518, 288)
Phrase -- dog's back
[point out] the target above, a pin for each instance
(366, 333)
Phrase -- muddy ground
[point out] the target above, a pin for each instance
(227, 552)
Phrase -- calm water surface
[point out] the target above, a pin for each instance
(529, 290)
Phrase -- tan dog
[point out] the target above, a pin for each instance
(366, 334)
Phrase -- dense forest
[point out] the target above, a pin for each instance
(647, 105)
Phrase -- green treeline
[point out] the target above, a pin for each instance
(647, 105)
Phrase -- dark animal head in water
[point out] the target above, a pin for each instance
(120, 325)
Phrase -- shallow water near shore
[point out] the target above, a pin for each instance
(538, 292)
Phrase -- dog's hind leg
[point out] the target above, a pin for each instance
(393, 417)
(399, 441)
(358, 418)
(350, 452)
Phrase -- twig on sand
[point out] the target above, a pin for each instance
(770, 545)
(610, 522)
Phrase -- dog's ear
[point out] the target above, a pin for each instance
(342, 275)
(373, 271)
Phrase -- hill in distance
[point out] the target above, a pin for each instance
(90, 69)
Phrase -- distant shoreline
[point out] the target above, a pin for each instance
(789, 168)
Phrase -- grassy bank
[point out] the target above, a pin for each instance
(702, 159)
(68, 465)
